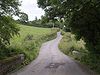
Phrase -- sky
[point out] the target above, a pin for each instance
(30, 7)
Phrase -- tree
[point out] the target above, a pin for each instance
(44, 19)
(8, 27)
(81, 16)
(9, 7)
(86, 24)
(36, 18)
(23, 17)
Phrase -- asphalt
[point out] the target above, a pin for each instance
(51, 61)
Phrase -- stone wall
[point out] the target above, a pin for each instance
(10, 64)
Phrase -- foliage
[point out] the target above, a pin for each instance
(23, 17)
(28, 42)
(8, 27)
(76, 49)
(93, 63)
(86, 21)
(9, 7)
(45, 23)
(44, 19)
(81, 16)
(69, 45)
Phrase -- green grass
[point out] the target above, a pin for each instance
(29, 30)
(28, 42)
(69, 45)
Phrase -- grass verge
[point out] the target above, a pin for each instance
(28, 42)
(76, 49)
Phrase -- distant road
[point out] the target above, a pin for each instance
(51, 61)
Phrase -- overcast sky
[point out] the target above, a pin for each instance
(30, 7)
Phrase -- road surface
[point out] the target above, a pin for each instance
(51, 61)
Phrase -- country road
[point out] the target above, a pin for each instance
(51, 61)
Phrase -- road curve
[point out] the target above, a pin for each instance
(53, 62)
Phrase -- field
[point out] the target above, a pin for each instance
(29, 31)
(26, 31)
(28, 42)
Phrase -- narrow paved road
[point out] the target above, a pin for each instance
(53, 62)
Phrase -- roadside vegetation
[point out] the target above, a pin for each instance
(28, 42)
(16, 38)
(81, 18)
(77, 50)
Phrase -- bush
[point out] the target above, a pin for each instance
(85, 24)
(92, 60)
(8, 29)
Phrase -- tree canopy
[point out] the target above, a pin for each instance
(9, 7)
(81, 16)
(8, 28)
(23, 17)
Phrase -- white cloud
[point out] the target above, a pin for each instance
(31, 8)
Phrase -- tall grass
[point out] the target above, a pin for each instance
(69, 45)
(76, 49)
(28, 42)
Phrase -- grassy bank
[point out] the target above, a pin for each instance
(69, 45)
(28, 42)
(76, 49)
